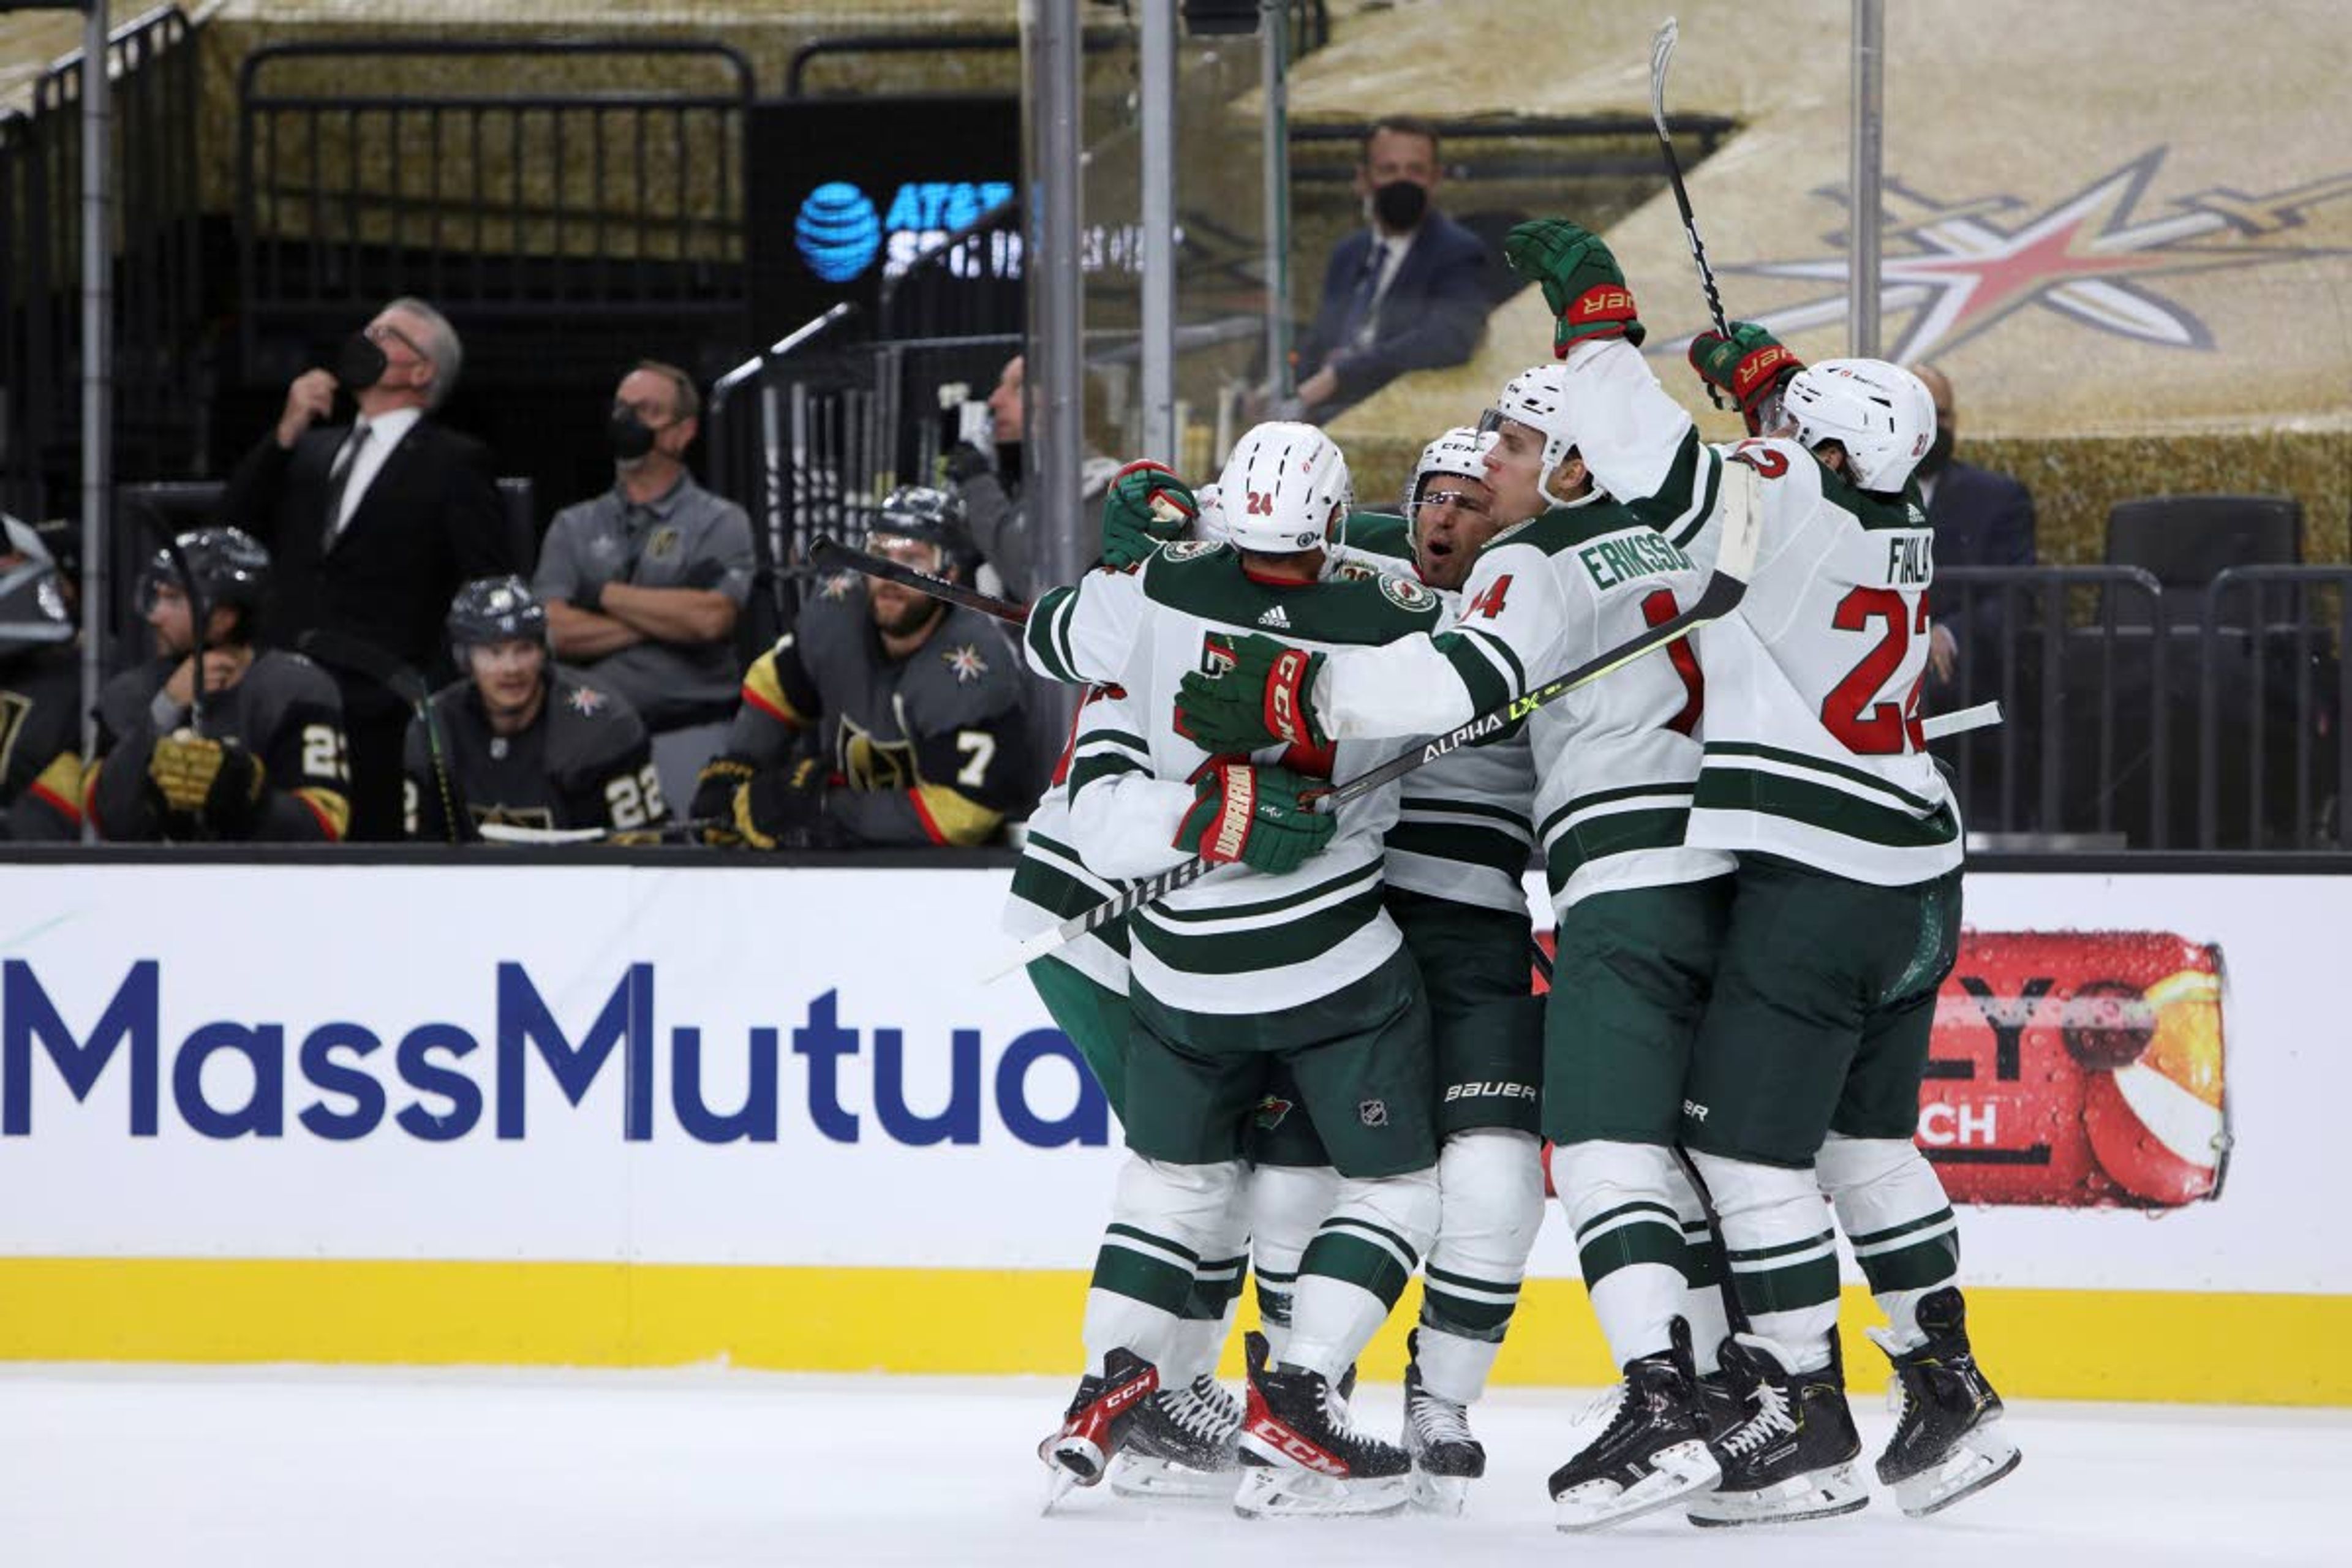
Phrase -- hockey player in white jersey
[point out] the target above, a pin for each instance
(1462, 842)
(1283, 954)
(1184, 1439)
(1639, 913)
(1847, 914)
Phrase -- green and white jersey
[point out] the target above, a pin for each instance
(1464, 830)
(1051, 881)
(1615, 762)
(1812, 744)
(1237, 940)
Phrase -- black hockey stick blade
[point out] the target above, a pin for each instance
(890, 571)
(1725, 585)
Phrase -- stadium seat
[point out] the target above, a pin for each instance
(2185, 540)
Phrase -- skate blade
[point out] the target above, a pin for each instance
(1681, 1470)
(1443, 1495)
(1288, 1492)
(1057, 1487)
(1144, 1475)
(1821, 1494)
(1984, 1457)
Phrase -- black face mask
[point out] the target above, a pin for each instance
(1939, 453)
(358, 364)
(1400, 204)
(630, 437)
(1008, 461)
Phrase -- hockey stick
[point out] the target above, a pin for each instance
(1724, 587)
(1983, 716)
(199, 620)
(922, 582)
(515, 833)
(1662, 52)
(341, 651)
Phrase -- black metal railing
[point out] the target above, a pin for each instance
(158, 274)
(2137, 719)
(625, 204)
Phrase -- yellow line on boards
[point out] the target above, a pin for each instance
(2177, 1346)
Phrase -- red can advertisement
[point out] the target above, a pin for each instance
(2079, 1069)
(2075, 1069)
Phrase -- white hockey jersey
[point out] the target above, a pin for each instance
(1236, 941)
(1051, 881)
(1811, 728)
(1616, 761)
(1464, 830)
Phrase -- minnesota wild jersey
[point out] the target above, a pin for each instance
(1052, 881)
(1615, 762)
(1813, 747)
(1463, 832)
(1237, 940)
(1813, 743)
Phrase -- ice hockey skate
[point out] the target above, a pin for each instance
(1792, 1457)
(1299, 1457)
(1447, 1456)
(1184, 1443)
(1652, 1454)
(1102, 1414)
(1947, 1443)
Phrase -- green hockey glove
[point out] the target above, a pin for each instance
(1265, 697)
(1580, 279)
(1260, 816)
(1748, 366)
(1147, 507)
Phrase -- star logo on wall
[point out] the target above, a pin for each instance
(1951, 270)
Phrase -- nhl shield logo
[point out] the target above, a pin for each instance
(1373, 1112)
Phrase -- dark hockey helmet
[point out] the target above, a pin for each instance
(494, 609)
(230, 567)
(920, 511)
(32, 597)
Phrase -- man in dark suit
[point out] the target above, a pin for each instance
(1406, 292)
(1981, 519)
(374, 525)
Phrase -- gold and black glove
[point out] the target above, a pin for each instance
(218, 782)
(714, 799)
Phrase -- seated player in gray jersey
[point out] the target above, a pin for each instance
(1805, 1078)
(1636, 910)
(1462, 843)
(41, 694)
(522, 740)
(1281, 955)
(251, 750)
(883, 716)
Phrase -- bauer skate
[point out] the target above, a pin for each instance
(1097, 1426)
(1947, 1442)
(1446, 1457)
(1651, 1455)
(1185, 1442)
(1792, 1457)
(1299, 1457)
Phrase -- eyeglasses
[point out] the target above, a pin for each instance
(1461, 501)
(380, 331)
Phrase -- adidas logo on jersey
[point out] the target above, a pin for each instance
(1274, 617)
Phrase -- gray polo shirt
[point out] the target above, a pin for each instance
(657, 545)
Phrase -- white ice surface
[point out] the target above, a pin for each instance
(256, 1468)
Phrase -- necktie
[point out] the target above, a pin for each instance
(338, 479)
(1358, 319)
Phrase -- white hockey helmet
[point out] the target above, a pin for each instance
(1461, 451)
(1880, 413)
(1285, 489)
(1537, 398)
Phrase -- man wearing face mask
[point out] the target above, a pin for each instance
(643, 584)
(372, 526)
(1405, 292)
(1982, 519)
